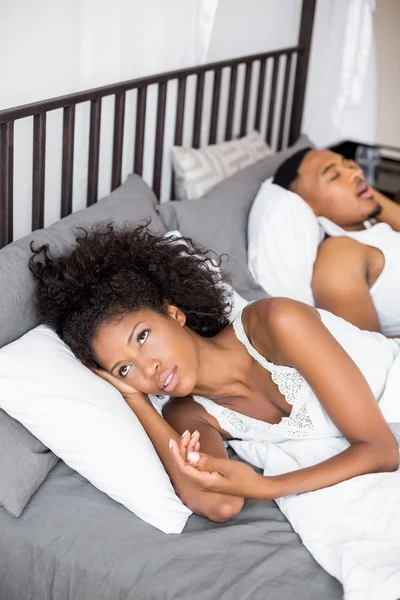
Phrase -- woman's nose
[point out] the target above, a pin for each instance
(150, 367)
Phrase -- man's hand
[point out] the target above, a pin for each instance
(390, 212)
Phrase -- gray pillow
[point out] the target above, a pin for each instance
(133, 201)
(24, 461)
(24, 464)
(218, 220)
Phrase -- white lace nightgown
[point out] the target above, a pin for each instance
(373, 353)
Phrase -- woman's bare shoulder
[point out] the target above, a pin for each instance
(273, 311)
(268, 320)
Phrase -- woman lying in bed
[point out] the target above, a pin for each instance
(150, 316)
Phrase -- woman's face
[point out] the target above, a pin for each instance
(153, 353)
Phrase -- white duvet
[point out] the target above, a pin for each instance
(353, 528)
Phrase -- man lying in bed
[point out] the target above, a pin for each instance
(356, 280)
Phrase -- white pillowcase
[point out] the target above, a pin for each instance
(87, 423)
(199, 170)
(284, 236)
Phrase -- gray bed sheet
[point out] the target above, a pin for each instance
(72, 542)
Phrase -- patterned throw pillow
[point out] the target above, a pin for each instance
(197, 171)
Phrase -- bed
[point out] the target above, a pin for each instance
(72, 542)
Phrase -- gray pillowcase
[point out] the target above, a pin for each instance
(24, 464)
(24, 461)
(218, 220)
(133, 201)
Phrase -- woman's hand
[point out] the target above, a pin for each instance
(188, 443)
(130, 394)
(216, 474)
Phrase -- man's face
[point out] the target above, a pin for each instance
(335, 188)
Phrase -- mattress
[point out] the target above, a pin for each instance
(72, 542)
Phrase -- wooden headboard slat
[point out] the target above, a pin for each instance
(272, 100)
(216, 94)
(198, 110)
(6, 182)
(283, 115)
(231, 102)
(246, 98)
(67, 172)
(299, 88)
(139, 133)
(180, 111)
(38, 170)
(118, 141)
(260, 94)
(159, 143)
(94, 151)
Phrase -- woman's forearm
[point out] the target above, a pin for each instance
(218, 507)
(359, 459)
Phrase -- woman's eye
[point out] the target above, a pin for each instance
(142, 337)
(336, 176)
(124, 370)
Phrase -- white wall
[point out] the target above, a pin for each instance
(387, 31)
(56, 47)
(250, 26)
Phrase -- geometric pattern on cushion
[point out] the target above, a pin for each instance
(199, 170)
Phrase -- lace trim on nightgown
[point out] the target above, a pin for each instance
(290, 384)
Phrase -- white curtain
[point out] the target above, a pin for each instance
(341, 100)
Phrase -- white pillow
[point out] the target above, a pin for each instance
(87, 423)
(199, 170)
(284, 236)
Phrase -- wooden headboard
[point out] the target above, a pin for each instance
(271, 100)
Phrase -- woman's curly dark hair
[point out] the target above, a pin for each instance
(112, 271)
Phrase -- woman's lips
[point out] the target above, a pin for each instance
(168, 380)
(173, 381)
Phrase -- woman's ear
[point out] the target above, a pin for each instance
(176, 313)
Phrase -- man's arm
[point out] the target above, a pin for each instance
(340, 284)
(390, 213)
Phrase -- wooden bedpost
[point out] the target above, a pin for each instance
(299, 90)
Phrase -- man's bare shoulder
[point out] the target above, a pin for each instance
(338, 247)
(337, 259)
(334, 245)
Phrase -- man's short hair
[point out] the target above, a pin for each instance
(287, 172)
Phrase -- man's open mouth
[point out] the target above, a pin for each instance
(364, 190)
